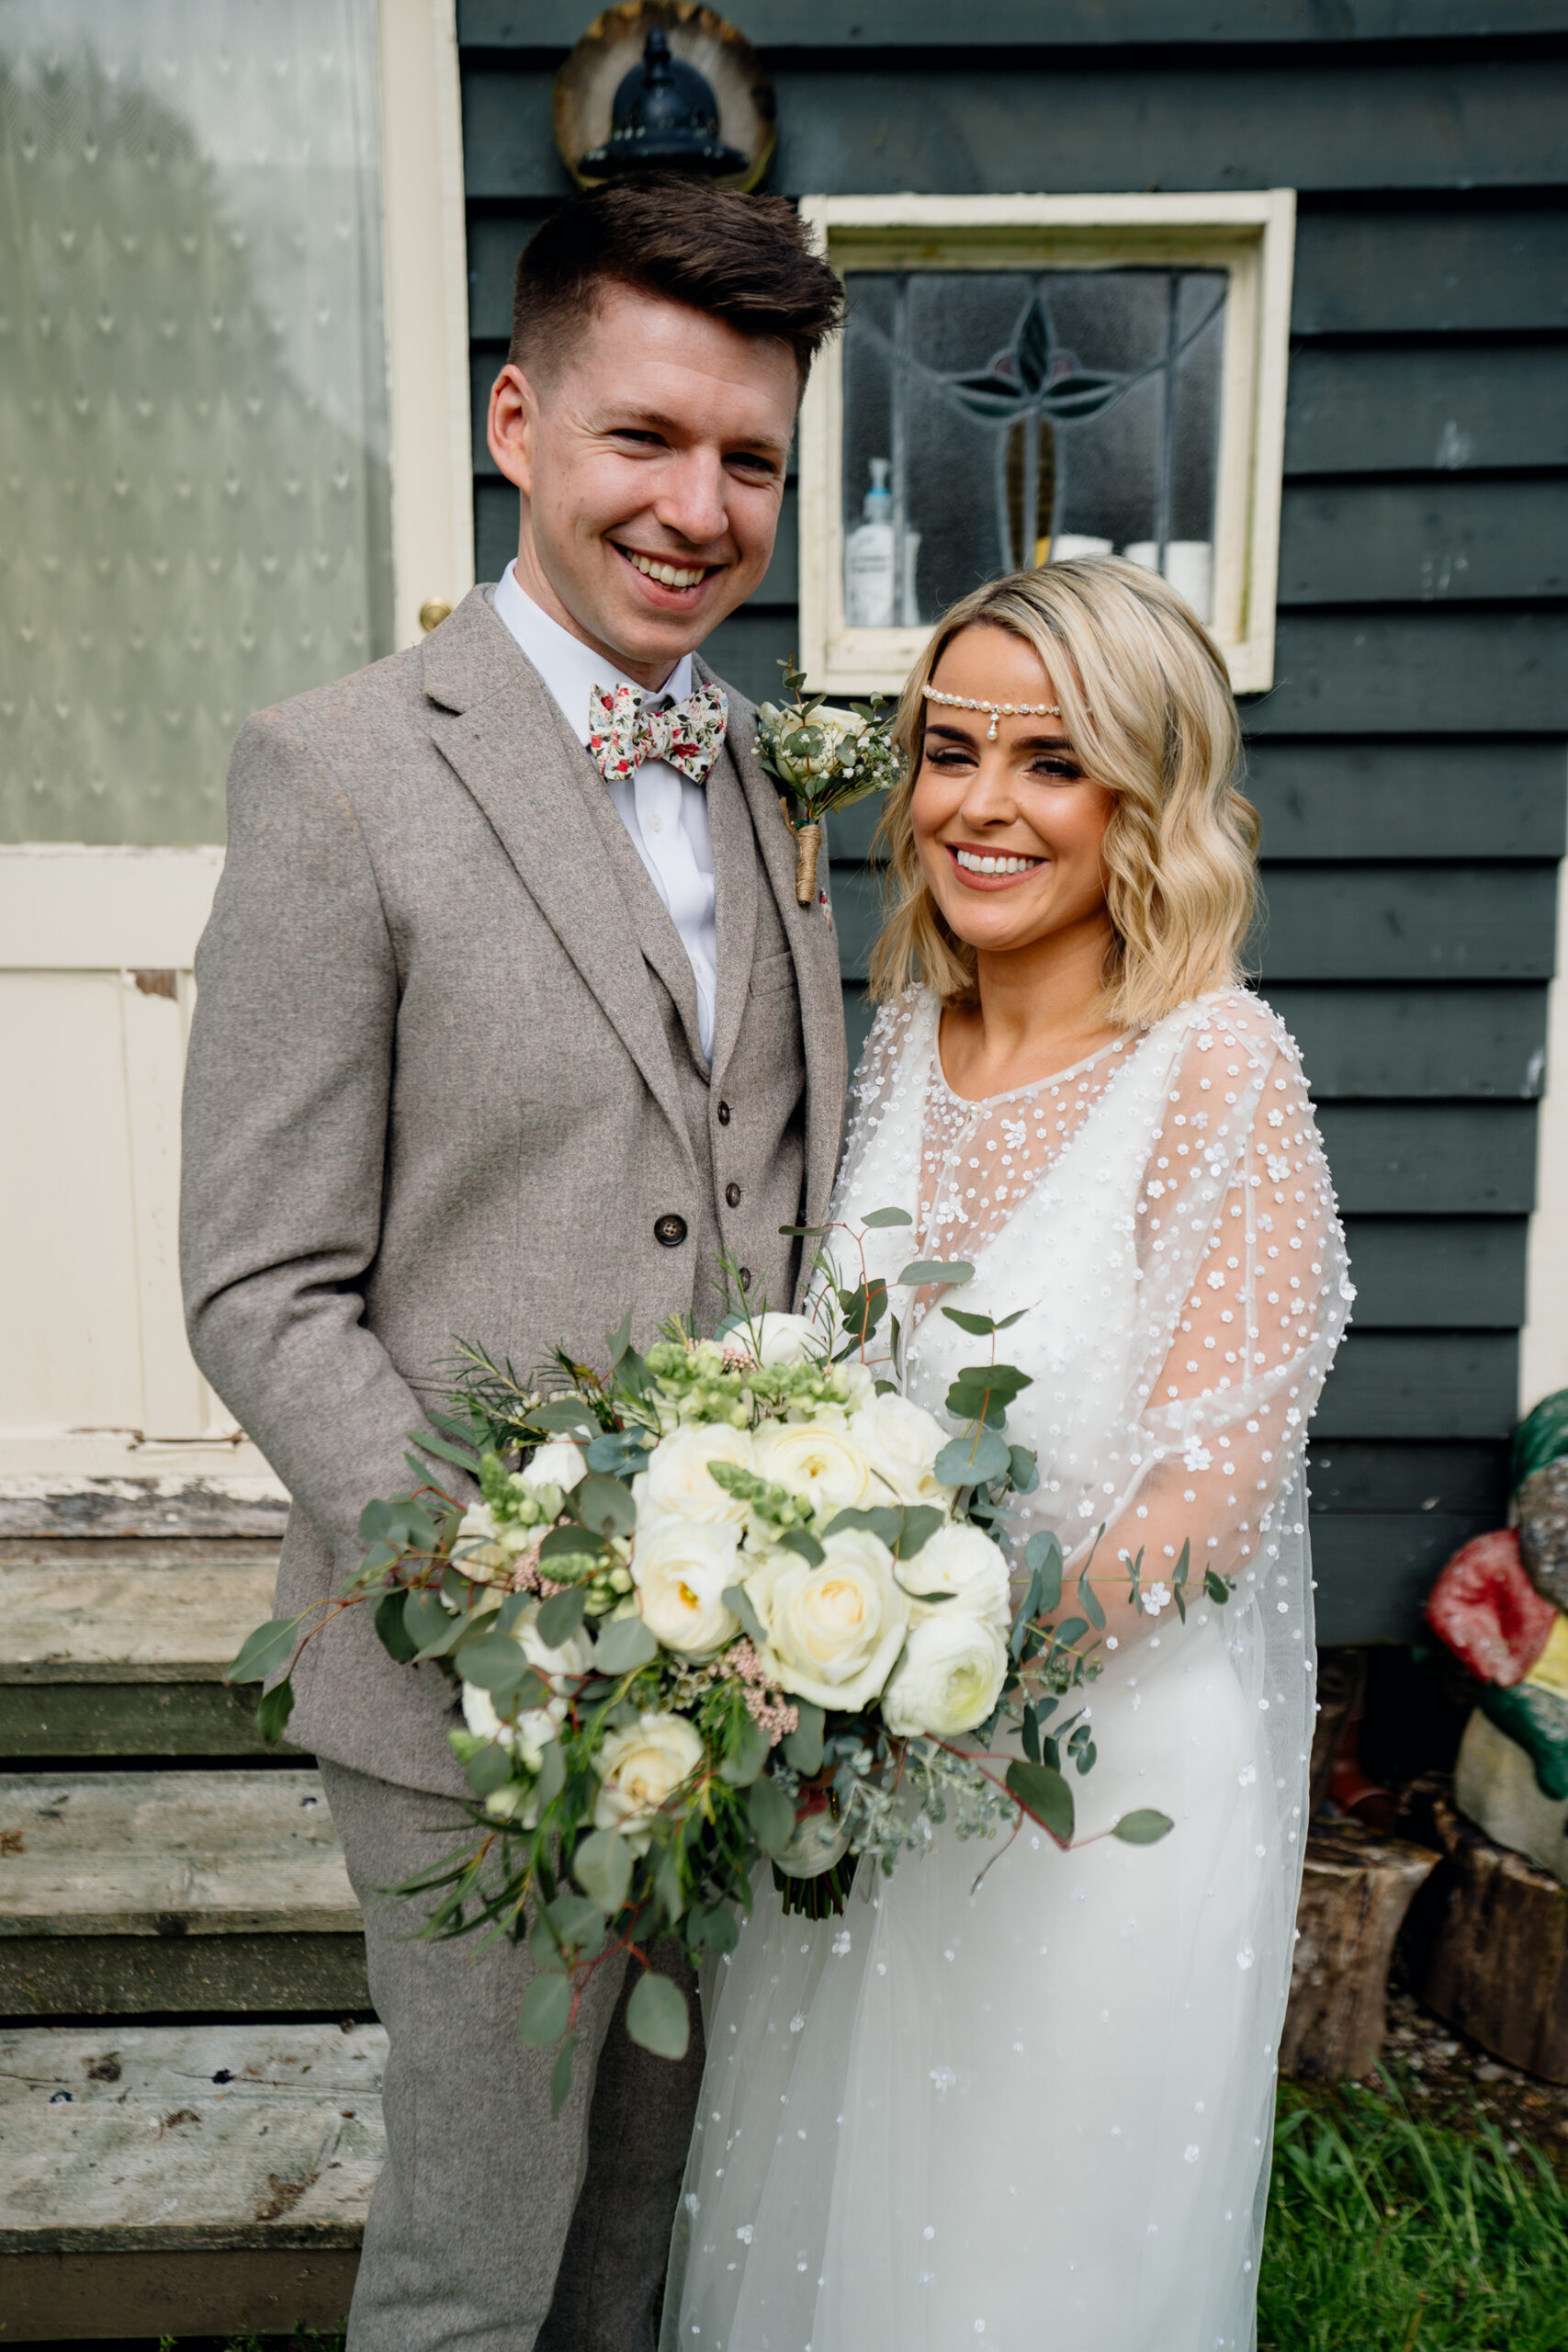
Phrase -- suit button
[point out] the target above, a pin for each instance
(724, 1114)
(732, 1194)
(669, 1231)
(745, 1277)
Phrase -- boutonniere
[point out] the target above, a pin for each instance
(826, 758)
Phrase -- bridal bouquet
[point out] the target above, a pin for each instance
(734, 1599)
(826, 758)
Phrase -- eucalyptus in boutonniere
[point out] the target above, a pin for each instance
(826, 758)
(733, 1602)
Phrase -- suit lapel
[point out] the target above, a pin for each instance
(500, 729)
(814, 944)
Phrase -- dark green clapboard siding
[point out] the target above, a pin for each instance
(1410, 767)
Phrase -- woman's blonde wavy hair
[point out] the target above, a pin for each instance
(1148, 713)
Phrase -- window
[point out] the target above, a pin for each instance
(1028, 377)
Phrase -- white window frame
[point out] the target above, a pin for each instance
(1251, 237)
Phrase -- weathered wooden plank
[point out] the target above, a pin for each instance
(245, 2294)
(141, 1720)
(67, 1619)
(166, 1510)
(1331, 120)
(1449, 269)
(1433, 672)
(1457, 540)
(119, 1976)
(122, 2139)
(1438, 1273)
(1421, 922)
(1374, 1569)
(1431, 1159)
(1402, 1043)
(1466, 1479)
(1332, 799)
(785, 24)
(1424, 407)
(171, 1854)
(1430, 1384)
(495, 240)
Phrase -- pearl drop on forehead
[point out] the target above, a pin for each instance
(997, 710)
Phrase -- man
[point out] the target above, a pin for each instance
(508, 1020)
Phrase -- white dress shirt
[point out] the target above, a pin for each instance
(665, 813)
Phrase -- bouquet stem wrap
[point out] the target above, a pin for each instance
(807, 844)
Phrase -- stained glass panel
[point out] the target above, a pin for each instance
(993, 418)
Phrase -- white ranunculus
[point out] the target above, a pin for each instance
(833, 1631)
(861, 1383)
(951, 1677)
(478, 1553)
(560, 1463)
(963, 1562)
(676, 1483)
(562, 1668)
(813, 1459)
(901, 1442)
(780, 1338)
(639, 1770)
(681, 1567)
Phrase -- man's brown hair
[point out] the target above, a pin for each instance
(744, 259)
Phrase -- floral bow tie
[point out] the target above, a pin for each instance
(623, 733)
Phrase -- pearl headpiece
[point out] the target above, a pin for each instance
(996, 709)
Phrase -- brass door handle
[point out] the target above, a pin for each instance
(432, 612)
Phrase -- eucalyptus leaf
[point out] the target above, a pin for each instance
(737, 1600)
(932, 1270)
(803, 1747)
(618, 1340)
(273, 1712)
(605, 1504)
(602, 1866)
(430, 1627)
(884, 1521)
(876, 1218)
(489, 1769)
(577, 1924)
(619, 1452)
(562, 1615)
(546, 2010)
(563, 1416)
(561, 2074)
(772, 1812)
(494, 1662)
(966, 1461)
(622, 1646)
(976, 1324)
(392, 1631)
(800, 1540)
(1088, 1601)
(262, 1652)
(739, 1770)
(1045, 1552)
(429, 1442)
(657, 2017)
(721, 1932)
(1144, 1828)
(1045, 1796)
(552, 1774)
(1025, 1469)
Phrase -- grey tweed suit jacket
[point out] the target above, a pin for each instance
(445, 1081)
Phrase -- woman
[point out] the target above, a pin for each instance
(1036, 2109)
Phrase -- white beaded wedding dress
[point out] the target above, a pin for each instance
(1039, 2112)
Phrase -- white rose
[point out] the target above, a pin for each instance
(478, 1553)
(527, 1737)
(560, 1463)
(681, 1567)
(639, 1770)
(812, 1459)
(963, 1562)
(833, 1631)
(861, 1383)
(676, 1483)
(901, 1442)
(780, 1338)
(951, 1677)
(561, 1669)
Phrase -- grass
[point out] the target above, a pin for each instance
(1386, 2235)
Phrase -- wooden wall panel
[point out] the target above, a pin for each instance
(1411, 765)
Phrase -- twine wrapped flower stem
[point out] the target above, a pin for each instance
(826, 758)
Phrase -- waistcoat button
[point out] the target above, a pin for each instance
(732, 1194)
(724, 1114)
(745, 1277)
(669, 1231)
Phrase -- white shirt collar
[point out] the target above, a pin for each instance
(570, 668)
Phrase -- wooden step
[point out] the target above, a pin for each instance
(184, 2181)
(119, 1648)
(143, 1891)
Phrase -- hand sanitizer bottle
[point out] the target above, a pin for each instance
(868, 557)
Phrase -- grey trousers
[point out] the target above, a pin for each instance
(493, 2227)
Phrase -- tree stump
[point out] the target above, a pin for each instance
(1491, 1957)
(1356, 1890)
